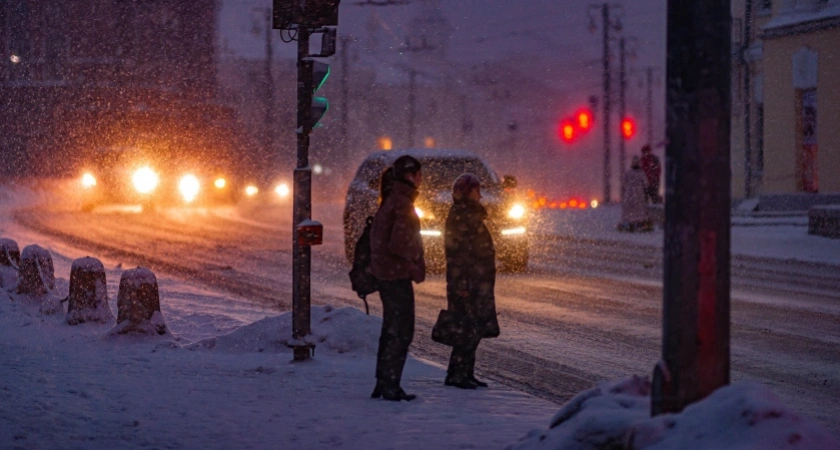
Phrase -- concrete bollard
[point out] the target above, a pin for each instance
(88, 299)
(138, 303)
(9, 263)
(36, 275)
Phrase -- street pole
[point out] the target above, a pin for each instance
(696, 279)
(748, 165)
(622, 110)
(649, 106)
(345, 94)
(412, 106)
(302, 254)
(605, 16)
(269, 89)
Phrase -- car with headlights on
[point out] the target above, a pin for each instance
(507, 213)
(132, 175)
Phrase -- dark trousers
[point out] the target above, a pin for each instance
(397, 329)
(462, 360)
(652, 194)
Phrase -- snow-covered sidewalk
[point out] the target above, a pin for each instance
(776, 238)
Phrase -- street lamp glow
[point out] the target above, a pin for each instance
(189, 187)
(282, 190)
(88, 180)
(594, 203)
(145, 180)
(251, 191)
(318, 169)
(15, 59)
(220, 183)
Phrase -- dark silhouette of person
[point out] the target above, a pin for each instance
(470, 279)
(653, 171)
(397, 260)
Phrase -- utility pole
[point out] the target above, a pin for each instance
(345, 94)
(622, 105)
(606, 26)
(649, 105)
(748, 165)
(412, 105)
(696, 277)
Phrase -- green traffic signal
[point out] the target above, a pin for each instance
(320, 105)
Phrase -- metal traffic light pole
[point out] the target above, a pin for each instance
(302, 254)
(696, 277)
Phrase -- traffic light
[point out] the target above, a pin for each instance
(567, 130)
(628, 128)
(320, 105)
(308, 13)
(584, 119)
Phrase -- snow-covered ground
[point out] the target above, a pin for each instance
(223, 378)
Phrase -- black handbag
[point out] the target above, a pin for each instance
(452, 329)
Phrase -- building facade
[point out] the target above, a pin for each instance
(786, 108)
(90, 73)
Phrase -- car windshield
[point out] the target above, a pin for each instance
(440, 173)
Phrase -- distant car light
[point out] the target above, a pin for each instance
(88, 180)
(593, 203)
(282, 190)
(513, 231)
(251, 191)
(434, 233)
(220, 183)
(517, 212)
(145, 180)
(189, 187)
(318, 169)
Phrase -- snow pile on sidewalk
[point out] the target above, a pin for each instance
(616, 415)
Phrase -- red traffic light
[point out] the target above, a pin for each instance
(628, 128)
(567, 131)
(584, 119)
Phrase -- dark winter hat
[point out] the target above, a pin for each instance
(463, 185)
(404, 165)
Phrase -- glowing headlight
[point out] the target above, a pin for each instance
(517, 211)
(145, 180)
(282, 190)
(220, 183)
(251, 191)
(88, 180)
(419, 212)
(593, 203)
(189, 187)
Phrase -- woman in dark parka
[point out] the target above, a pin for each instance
(470, 278)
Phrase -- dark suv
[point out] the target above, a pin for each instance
(507, 215)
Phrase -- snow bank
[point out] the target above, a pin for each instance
(337, 330)
(616, 415)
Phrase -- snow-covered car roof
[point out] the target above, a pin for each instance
(423, 153)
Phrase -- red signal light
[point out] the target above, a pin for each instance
(584, 119)
(628, 128)
(567, 131)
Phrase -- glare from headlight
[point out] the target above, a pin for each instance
(435, 233)
(513, 231)
(145, 180)
(189, 187)
(517, 211)
(220, 183)
(419, 212)
(594, 203)
(282, 190)
(88, 180)
(251, 191)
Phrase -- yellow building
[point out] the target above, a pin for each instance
(801, 97)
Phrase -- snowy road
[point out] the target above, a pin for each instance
(585, 313)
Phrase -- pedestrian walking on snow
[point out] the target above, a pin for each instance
(470, 279)
(653, 171)
(634, 214)
(396, 261)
